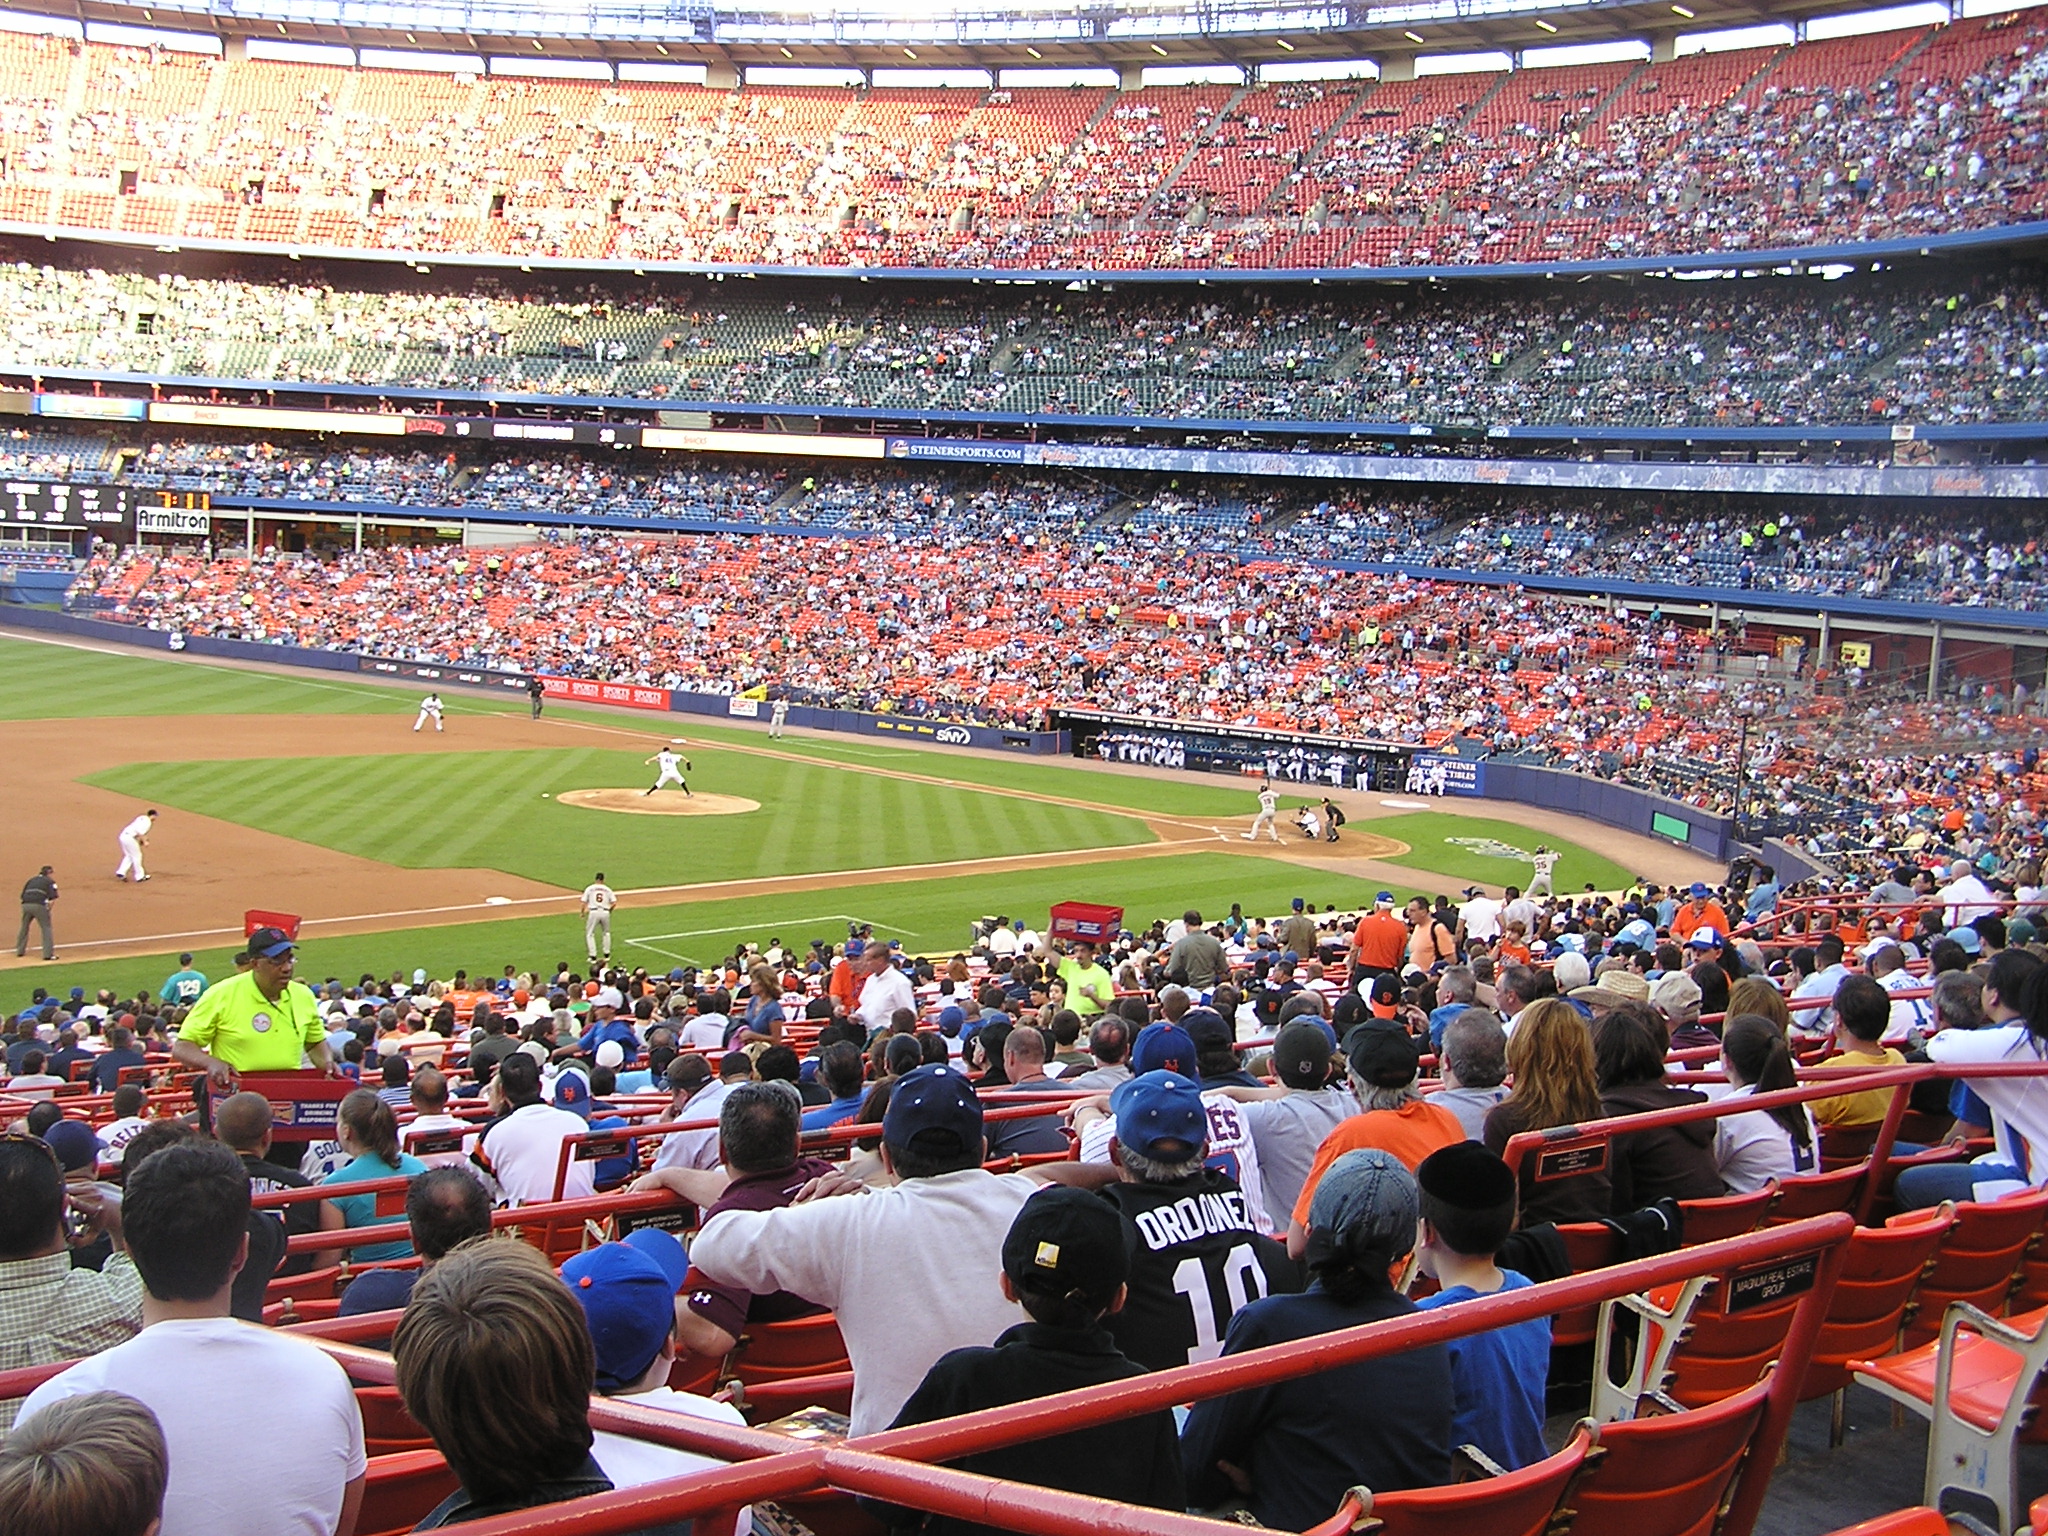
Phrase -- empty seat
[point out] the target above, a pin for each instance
(1667, 1475)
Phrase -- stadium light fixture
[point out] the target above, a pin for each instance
(1679, 10)
(1412, 37)
(1034, 53)
(662, 49)
(786, 53)
(1284, 44)
(1546, 26)
(1159, 50)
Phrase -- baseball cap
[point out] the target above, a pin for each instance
(572, 1092)
(271, 942)
(1971, 941)
(1707, 937)
(1473, 890)
(1384, 899)
(855, 949)
(1364, 1197)
(1160, 1115)
(1205, 1027)
(78, 992)
(74, 1143)
(1067, 1242)
(1698, 891)
(687, 1071)
(1382, 1054)
(933, 1100)
(1299, 904)
(952, 1019)
(628, 1293)
(1301, 1054)
(1163, 1047)
(419, 977)
(610, 1054)
(1383, 996)
(2020, 930)
(1673, 992)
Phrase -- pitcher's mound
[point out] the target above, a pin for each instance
(667, 802)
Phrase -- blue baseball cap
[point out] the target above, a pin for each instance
(855, 949)
(952, 1018)
(628, 1294)
(270, 943)
(1163, 1047)
(933, 1099)
(1699, 890)
(1160, 1115)
(572, 1092)
(1384, 899)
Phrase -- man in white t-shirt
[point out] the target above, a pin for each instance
(185, 1220)
(936, 1236)
(523, 1150)
(1479, 918)
(885, 990)
(1967, 898)
(598, 900)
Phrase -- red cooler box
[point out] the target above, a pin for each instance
(1078, 920)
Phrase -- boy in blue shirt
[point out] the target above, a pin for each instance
(1467, 1207)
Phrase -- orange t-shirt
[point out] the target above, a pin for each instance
(1381, 940)
(1410, 1133)
(1707, 914)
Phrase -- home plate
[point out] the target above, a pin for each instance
(667, 802)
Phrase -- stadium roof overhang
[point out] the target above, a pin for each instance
(1185, 32)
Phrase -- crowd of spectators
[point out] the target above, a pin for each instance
(1266, 1072)
(1991, 560)
(1909, 133)
(1012, 628)
(1864, 349)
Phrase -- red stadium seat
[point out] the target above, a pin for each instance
(1666, 1474)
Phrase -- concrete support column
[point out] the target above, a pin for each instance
(722, 77)
(1130, 77)
(1398, 66)
(1934, 665)
(1663, 47)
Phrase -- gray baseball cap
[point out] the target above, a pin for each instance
(1364, 1196)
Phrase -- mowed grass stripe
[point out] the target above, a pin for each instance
(485, 810)
(48, 682)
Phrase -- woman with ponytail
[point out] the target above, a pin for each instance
(368, 1132)
(1759, 1145)
(2016, 996)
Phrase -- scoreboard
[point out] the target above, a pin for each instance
(57, 507)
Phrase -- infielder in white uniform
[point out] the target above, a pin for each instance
(671, 764)
(131, 838)
(430, 709)
(598, 901)
(1269, 806)
(778, 716)
(1544, 862)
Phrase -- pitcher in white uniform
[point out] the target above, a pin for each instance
(131, 838)
(598, 901)
(670, 765)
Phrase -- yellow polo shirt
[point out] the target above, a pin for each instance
(235, 1023)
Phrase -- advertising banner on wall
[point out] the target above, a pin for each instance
(1437, 773)
(584, 691)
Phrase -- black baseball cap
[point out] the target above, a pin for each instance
(270, 943)
(1301, 1054)
(1384, 1055)
(1067, 1242)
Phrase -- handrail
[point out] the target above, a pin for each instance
(593, 1207)
(870, 1464)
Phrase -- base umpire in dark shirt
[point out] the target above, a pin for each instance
(36, 897)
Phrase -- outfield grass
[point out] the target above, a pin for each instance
(927, 915)
(1429, 835)
(61, 682)
(456, 810)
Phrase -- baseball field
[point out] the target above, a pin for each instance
(312, 794)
